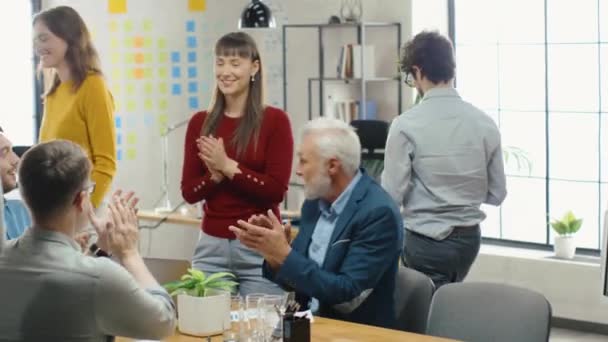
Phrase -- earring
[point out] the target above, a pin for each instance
(252, 78)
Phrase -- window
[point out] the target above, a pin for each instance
(17, 116)
(542, 74)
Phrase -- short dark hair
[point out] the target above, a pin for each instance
(432, 53)
(1, 130)
(50, 175)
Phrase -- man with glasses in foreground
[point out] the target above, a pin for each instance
(443, 159)
(49, 289)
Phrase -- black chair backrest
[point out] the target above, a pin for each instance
(413, 294)
(372, 134)
(20, 150)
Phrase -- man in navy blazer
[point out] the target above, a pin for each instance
(344, 260)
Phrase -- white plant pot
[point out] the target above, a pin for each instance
(203, 316)
(565, 246)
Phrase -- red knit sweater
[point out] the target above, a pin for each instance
(260, 186)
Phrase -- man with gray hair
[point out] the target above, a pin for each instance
(344, 260)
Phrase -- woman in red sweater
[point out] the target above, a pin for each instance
(237, 161)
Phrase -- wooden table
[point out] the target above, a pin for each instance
(326, 330)
(177, 217)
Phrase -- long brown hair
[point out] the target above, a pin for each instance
(239, 44)
(81, 56)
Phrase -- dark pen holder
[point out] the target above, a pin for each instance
(296, 329)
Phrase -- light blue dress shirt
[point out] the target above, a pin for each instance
(16, 218)
(325, 227)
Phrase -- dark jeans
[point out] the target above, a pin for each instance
(444, 261)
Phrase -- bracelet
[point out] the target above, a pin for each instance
(99, 252)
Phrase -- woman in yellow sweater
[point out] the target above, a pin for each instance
(77, 104)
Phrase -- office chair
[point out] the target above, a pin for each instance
(489, 312)
(413, 294)
(372, 134)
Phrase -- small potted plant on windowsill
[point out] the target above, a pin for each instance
(564, 243)
(203, 302)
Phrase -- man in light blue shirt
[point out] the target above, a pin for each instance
(16, 217)
(443, 159)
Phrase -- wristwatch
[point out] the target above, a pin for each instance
(95, 250)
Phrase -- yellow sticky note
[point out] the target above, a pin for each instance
(117, 6)
(113, 26)
(148, 72)
(147, 42)
(162, 122)
(130, 58)
(131, 155)
(131, 106)
(148, 104)
(163, 57)
(128, 26)
(147, 25)
(115, 88)
(148, 57)
(128, 42)
(131, 138)
(196, 5)
(114, 43)
(130, 89)
(162, 43)
(117, 104)
(162, 88)
(162, 104)
(162, 72)
(148, 88)
(115, 58)
(116, 74)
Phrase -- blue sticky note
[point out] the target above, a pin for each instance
(191, 72)
(175, 57)
(119, 154)
(176, 89)
(176, 72)
(118, 139)
(118, 122)
(148, 119)
(191, 42)
(193, 102)
(192, 57)
(192, 87)
(190, 26)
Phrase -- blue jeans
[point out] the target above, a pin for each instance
(213, 254)
(444, 261)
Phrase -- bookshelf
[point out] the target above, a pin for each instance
(322, 76)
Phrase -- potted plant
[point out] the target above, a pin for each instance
(203, 301)
(564, 243)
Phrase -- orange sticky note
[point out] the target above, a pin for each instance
(196, 5)
(138, 73)
(139, 58)
(117, 6)
(138, 42)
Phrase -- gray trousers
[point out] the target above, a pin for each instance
(444, 261)
(213, 254)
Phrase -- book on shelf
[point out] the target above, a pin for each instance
(351, 60)
(348, 110)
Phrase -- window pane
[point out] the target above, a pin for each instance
(477, 75)
(573, 139)
(19, 69)
(604, 148)
(522, 77)
(430, 15)
(490, 227)
(604, 77)
(469, 21)
(523, 143)
(572, 21)
(582, 199)
(530, 27)
(604, 20)
(573, 81)
(523, 211)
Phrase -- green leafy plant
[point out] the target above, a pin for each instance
(568, 225)
(196, 283)
(513, 154)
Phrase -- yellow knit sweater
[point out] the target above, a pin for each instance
(85, 117)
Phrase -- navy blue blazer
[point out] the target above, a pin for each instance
(357, 280)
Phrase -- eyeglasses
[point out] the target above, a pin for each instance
(408, 78)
